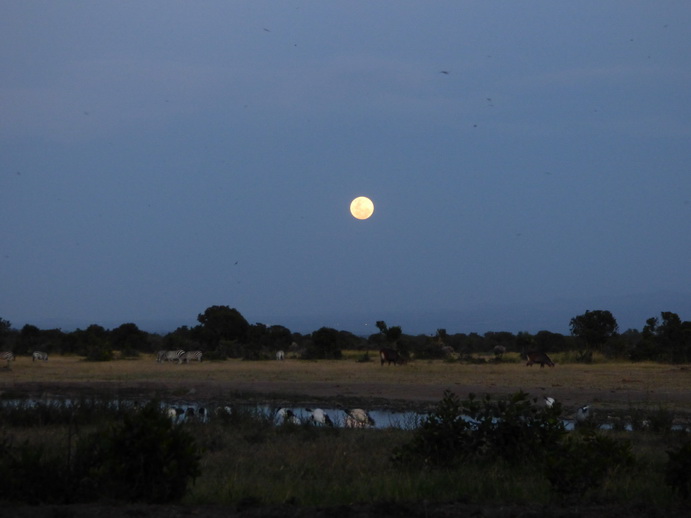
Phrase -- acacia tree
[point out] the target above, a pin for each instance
(668, 338)
(593, 329)
(390, 334)
(221, 323)
(326, 343)
(129, 339)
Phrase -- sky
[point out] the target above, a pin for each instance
(528, 161)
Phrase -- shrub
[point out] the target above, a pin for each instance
(144, 458)
(99, 353)
(582, 461)
(513, 430)
(29, 475)
(678, 470)
(147, 458)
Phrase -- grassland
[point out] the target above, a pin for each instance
(418, 384)
(252, 469)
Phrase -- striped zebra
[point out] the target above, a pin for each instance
(8, 356)
(39, 355)
(191, 356)
(171, 356)
(161, 356)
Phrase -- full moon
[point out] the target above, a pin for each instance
(361, 207)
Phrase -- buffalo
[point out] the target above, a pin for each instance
(390, 356)
(538, 357)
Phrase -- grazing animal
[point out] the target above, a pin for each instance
(390, 356)
(319, 417)
(358, 418)
(161, 356)
(538, 357)
(39, 355)
(8, 356)
(280, 355)
(191, 356)
(172, 356)
(286, 416)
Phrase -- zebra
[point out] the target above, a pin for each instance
(161, 356)
(191, 355)
(8, 356)
(281, 355)
(39, 355)
(171, 356)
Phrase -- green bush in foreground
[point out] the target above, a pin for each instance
(678, 471)
(482, 451)
(144, 458)
(512, 430)
(582, 461)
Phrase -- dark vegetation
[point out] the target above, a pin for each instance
(105, 451)
(224, 333)
(512, 451)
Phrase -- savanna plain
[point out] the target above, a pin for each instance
(250, 467)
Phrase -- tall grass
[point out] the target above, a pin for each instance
(245, 457)
(328, 467)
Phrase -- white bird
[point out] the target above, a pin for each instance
(358, 418)
(319, 417)
(582, 413)
(549, 402)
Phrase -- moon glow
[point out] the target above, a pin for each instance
(361, 207)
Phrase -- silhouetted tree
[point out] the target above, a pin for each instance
(326, 344)
(547, 341)
(5, 327)
(29, 340)
(93, 342)
(221, 323)
(129, 340)
(593, 328)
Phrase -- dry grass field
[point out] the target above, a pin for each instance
(609, 386)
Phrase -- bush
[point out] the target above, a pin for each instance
(678, 470)
(582, 461)
(98, 353)
(147, 458)
(513, 430)
(30, 476)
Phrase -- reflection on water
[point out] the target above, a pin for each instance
(181, 411)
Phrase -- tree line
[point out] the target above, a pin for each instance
(222, 332)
